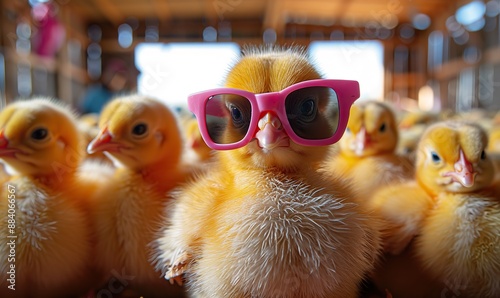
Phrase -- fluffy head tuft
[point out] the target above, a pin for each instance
(269, 69)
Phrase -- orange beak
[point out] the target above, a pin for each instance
(103, 142)
(464, 171)
(271, 133)
(4, 147)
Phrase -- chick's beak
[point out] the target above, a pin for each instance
(464, 171)
(4, 147)
(271, 133)
(103, 142)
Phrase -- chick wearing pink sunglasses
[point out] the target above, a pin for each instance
(262, 221)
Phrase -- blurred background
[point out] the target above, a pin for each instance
(433, 55)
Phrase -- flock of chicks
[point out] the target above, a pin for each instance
(114, 214)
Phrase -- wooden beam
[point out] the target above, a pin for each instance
(110, 11)
(492, 56)
(162, 10)
(275, 17)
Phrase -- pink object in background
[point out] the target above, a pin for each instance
(49, 34)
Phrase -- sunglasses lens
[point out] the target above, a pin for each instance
(227, 118)
(313, 112)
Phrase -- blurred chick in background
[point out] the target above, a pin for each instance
(88, 125)
(367, 148)
(494, 140)
(411, 126)
(46, 211)
(197, 150)
(142, 138)
(263, 222)
(417, 117)
(493, 150)
(408, 141)
(451, 209)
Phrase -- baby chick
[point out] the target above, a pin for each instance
(457, 219)
(47, 246)
(417, 117)
(408, 141)
(197, 150)
(262, 222)
(142, 138)
(494, 139)
(367, 150)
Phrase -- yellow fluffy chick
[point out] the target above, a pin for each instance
(142, 137)
(262, 222)
(45, 227)
(493, 150)
(417, 117)
(408, 141)
(196, 147)
(494, 140)
(367, 150)
(450, 209)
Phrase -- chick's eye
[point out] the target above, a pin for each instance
(435, 157)
(39, 134)
(382, 127)
(236, 114)
(307, 108)
(483, 155)
(140, 129)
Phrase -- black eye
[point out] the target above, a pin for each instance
(237, 116)
(39, 134)
(382, 127)
(140, 129)
(308, 108)
(435, 157)
(483, 155)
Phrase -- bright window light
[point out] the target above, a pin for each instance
(170, 72)
(352, 60)
(470, 13)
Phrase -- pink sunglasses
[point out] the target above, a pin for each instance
(313, 113)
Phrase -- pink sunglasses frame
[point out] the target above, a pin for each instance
(347, 92)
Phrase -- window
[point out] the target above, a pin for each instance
(170, 72)
(352, 60)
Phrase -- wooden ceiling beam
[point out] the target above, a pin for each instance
(110, 10)
(275, 17)
(162, 10)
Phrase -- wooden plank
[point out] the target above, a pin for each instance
(162, 10)
(110, 10)
(492, 56)
(274, 17)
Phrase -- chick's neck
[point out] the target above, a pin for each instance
(433, 193)
(58, 180)
(161, 174)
